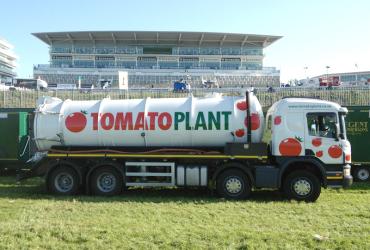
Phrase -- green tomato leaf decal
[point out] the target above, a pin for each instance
(300, 139)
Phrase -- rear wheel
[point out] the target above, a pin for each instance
(362, 173)
(233, 184)
(106, 181)
(63, 180)
(302, 186)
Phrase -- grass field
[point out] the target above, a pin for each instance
(181, 219)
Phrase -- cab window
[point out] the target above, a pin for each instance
(322, 124)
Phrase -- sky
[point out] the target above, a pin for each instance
(316, 33)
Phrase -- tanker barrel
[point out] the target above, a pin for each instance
(163, 122)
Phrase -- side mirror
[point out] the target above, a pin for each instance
(337, 133)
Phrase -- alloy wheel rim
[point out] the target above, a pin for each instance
(106, 182)
(64, 182)
(234, 185)
(302, 187)
(363, 174)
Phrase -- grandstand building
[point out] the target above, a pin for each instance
(7, 62)
(156, 59)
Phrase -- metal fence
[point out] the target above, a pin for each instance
(344, 96)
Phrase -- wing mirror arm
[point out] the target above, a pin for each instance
(337, 132)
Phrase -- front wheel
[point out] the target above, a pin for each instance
(233, 184)
(302, 186)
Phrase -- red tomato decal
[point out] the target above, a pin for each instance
(240, 133)
(335, 151)
(319, 154)
(316, 142)
(290, 147)
(255, 120)
(242, 105)
(277, 120)
(76, 122)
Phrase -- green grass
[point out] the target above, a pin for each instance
(181, 219)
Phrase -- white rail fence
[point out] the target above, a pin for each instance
(344, 96)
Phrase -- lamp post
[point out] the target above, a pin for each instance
(327, 75)
(356, 73)
(305, 71)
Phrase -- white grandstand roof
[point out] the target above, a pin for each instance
(160, 37)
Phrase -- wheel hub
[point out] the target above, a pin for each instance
(106, 182)
(233, 185)
(63, 182)
(363, 174)
(302, 187)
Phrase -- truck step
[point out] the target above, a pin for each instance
(150, 174)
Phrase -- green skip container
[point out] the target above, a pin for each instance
(357, 125)
(15, 139)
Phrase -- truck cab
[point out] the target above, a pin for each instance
(307, 133)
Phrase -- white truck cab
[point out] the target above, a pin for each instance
(310, 131)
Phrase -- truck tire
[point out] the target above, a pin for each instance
(362, 173)
(233, 184)
(302, 186)
(106, 181)
(63, 180)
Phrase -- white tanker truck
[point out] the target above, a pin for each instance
(219, 142)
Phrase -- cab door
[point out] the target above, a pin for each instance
(322, 137)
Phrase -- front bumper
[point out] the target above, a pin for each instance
(340, 178)
(347, 181)
(347, 177)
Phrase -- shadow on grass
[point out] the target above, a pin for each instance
(361, 186)
(35, 189)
